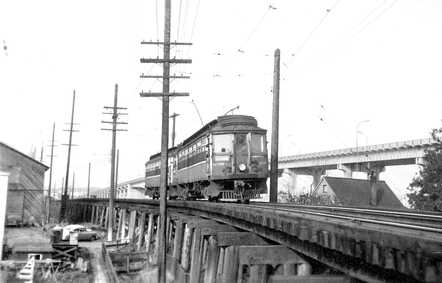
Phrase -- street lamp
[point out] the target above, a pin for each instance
(366, 139)
(357, 146)
(299, 149)
(282, 142)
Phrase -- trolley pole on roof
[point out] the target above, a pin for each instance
(275, 131)
(166, 94)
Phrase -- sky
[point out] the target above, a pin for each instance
(342, 62)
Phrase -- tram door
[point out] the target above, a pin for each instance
(241, 153)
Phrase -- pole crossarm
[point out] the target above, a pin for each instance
(118, 113)
(156, 94)
(109, 107)
(166, 43)
(163, 77)
(125, 123)
(113, 130)
(162, 61)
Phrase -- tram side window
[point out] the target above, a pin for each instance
(258, 144)
(222, 143)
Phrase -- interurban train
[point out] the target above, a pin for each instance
(226, 159)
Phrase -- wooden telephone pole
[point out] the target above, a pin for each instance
(48, 215)
(89, 180)
(114, 141)
(166, 94)
(64, 197)
(275, 132)
(73, 185)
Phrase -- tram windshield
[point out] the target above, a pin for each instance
(222, 143)
(258, 144)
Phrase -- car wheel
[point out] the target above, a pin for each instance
(92, 238)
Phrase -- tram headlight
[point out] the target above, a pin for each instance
(242, 167)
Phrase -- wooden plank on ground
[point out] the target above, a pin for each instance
(310, 279)
(141, 224)
(217, 228)
(212, 261)
(176, 270)
(194, 223)
(268, 255)
(239, 239)
(230, 269)
(196, 257)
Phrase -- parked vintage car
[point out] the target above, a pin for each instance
(83, 233)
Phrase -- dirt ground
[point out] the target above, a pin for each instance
(90, 251)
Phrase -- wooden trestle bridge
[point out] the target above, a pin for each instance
(262, 242)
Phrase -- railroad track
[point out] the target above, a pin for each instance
(407, 219)
(371, 244)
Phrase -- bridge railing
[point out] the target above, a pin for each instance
(354, 150)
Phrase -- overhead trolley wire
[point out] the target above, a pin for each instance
(240, 50)
(322, 120)
(344, 34)
(323, 108)
(194, 23)
(349, 33)
(158, 37)
(127, 31)
(137, 24)
(313, 31)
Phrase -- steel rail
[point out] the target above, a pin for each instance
(354, 219)
(431, 219)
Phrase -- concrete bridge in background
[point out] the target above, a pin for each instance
(370, 159)
(129, 189)
(367, 159)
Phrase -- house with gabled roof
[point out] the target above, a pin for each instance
(25, 195)
(356, 192)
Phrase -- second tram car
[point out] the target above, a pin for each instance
(226, 159)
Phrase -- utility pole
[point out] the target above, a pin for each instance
(41, 153)
(166, 94)
(275, 132)
(114, 130)
(173, 116)
(50, 175)
(64, 196)
(89, 180)
(73, 185)
(116, 171)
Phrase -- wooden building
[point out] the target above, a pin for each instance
(25, 196)
(356, 192)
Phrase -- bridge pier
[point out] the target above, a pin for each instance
(348, 170)
(203, 250)
(315, 172)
